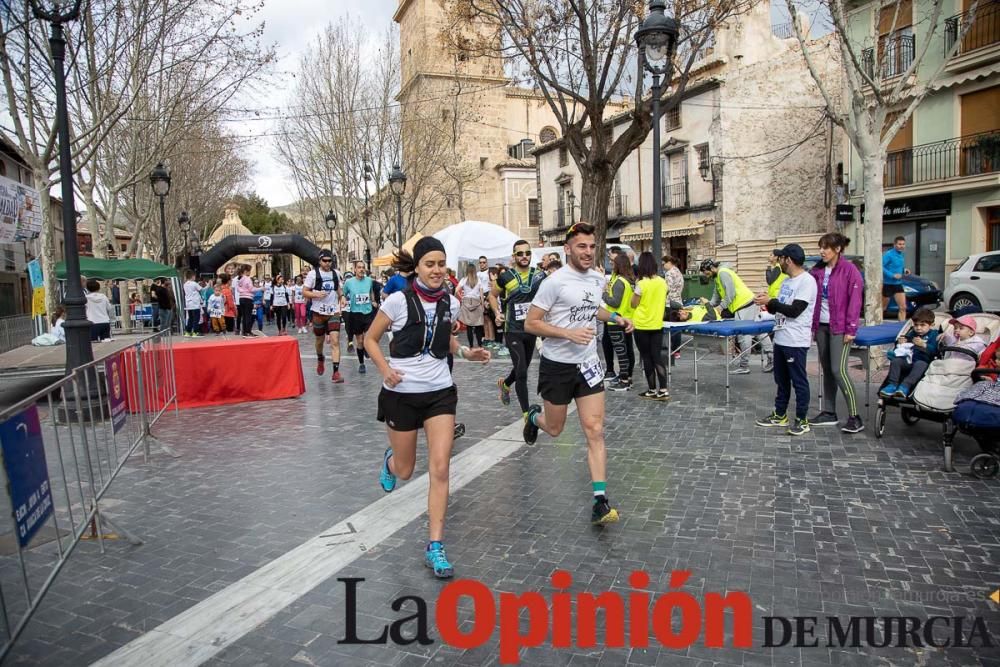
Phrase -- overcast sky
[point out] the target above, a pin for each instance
(292, 25)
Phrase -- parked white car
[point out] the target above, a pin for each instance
(975, 284)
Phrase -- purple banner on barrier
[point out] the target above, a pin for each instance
(27, 474)
(113, 371)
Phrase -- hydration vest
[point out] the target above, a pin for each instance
(418, 336)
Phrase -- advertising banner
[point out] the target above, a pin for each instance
(20, 212)
(27, 473)
(113, 371)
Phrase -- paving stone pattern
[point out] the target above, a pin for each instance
(827, 524)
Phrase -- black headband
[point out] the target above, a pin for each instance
(425, 245)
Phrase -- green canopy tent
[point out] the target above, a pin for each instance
(124, 269)
(119, 269)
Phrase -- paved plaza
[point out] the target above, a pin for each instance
(247, 533)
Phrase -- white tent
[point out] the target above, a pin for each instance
(468, 240)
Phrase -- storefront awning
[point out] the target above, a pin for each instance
(643, 231)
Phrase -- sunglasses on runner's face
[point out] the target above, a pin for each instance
(523, 253)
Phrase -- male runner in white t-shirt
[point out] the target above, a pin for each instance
(565, 311)
(326, 305)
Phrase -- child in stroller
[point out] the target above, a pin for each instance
(915, 350)
(933, 397)
(977, 413)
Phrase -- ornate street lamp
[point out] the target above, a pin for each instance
(656, 39)
(159, 180)
(331, 224)
(184, 222)
(76, 326)
(397, 183)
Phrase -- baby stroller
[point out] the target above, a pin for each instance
(934, 396)
(977, 414)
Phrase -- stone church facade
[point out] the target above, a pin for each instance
(487, 124)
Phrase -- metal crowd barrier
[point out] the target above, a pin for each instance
(62, 448)
(15, 331)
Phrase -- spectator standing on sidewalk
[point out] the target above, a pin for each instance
(245, 287)
(835, 324)
(675, 299)
(893, 270)
(617, 299)
(100, 312)
(650, 303)
(192, 305)
(228, 303)
(793, 318)
(165, 299)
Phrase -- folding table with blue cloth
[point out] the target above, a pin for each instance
(725, 329)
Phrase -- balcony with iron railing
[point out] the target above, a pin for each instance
(783, 30)
(617, 206)
(896, 54)
(972, 155)
(674, 195)
(981, 26)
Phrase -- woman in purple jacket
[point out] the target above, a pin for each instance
(835, 324)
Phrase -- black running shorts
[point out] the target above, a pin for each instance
(358, 323)
(891, 290)
(560, 383)
(407, 412)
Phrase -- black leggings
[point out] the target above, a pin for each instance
(621, 344)
(474, 332)
(522, 347)
(281, 314)
(650, 344)
(246, 316)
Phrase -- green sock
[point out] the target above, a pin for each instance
(600, 489)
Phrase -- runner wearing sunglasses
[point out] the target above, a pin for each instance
(518, 286)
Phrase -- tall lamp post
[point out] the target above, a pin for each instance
(184, 222)
(366, 170)
(572, 208)
(331, 224)
(397, 183)
(159, 179)
(77, 327)
(656, 39)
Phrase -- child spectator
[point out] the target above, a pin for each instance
(217, 310)
(229, 303)
(58, 319)
(963, 335)
(192, 304)
(914, 352)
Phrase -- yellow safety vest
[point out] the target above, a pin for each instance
(652, 303)
(775, 288)
(743, 293)
(625, 309)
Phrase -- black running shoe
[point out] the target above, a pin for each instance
(459, 431)
(853, 425)
(603, 513)
(530, 429)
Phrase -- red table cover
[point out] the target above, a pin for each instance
(221, 372)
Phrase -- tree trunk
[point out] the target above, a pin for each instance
(48, 240)
(871, 235)
(595, 195)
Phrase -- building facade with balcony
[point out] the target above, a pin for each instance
(744, 157)
(942, 175)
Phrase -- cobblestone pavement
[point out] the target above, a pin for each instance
(828, 524)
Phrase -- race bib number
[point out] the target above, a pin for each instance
(324, 309)
(215, 313)
(362, 299)
(521, 311)
(593, 372)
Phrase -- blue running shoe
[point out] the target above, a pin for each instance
(386, 478)
(436, 559)
(888, 390)
(902, 391)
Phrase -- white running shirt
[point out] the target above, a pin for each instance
(570, 299)
(423, 373)
(330, 304)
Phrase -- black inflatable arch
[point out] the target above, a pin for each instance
(264, 244)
